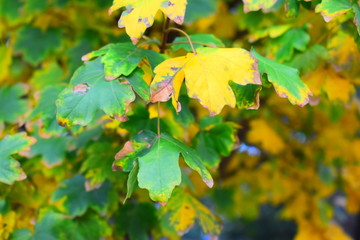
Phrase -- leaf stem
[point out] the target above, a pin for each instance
(198, 43)
(186, 35)
(158, 119)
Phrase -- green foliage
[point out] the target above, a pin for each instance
(185, 105)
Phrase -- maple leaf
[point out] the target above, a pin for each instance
(158, 159)
(207, 74)
(182, 210)
(10, 170)
(139, 14)
(77, 199)
(285, 80)
(12, 106)
(89, 92)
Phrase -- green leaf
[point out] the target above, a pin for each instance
(182, 210)
(294, 39)
(51, 149)
(214, 141)
(209, 39)
(89, 93)
(137, 147)
(97, 164)
(131, 182)
(332, 8)
(197, 9)
(285, 80)
(32, 6)
(159, 170)
(138, 83)
(119, 59)
(50, 74)
(247, 96)
(356, 10)
(21, 234)
(12, 106)
(310, 59)
(10, 170)
(36, 44)
(158, 158)
(10, 10)
(136, 220)
(46, 110)
(77, 199)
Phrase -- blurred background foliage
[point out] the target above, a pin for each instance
(281, 172)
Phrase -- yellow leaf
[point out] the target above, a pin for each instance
(7, 224)
(5, 61)
(262, 133)
(330, 82)
(183, 210)
(207, 74)
(255, 5)
(140, 14)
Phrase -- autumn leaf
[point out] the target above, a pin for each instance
(285, 80)
(10, 170)
(262, 133)
(332, 8)
(182, 210)
(207, 72)
(255, 5)
(139, 15)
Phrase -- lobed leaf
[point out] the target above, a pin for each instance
(207, 74)
(285, 80)
(139, 14)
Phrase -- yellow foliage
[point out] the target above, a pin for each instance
(139, 14)
(309, 231)
(261, 133)
(207, 75)
(7, 224)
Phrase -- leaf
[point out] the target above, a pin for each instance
(356, 10)
(294, 39)
(77, 200)
(138, 146)
(131, 182)
(310, 59)
(158, 159)
(97, 164)
(183, 209)
(53, 226)
(285, 80)
(182, 42)
(197, 9)
(332, 8)
(89, 93)
(10, 170)
(5, 60)
(140, 86)
(46, 110)
(248, 96)
(214, 141)
(12, 106)
(51, 149)
(261, 133)
(139, 15)
(207, 72)
(136, 220)
(50, 74)
(35, 44)
(255, 5)
(119, 59)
